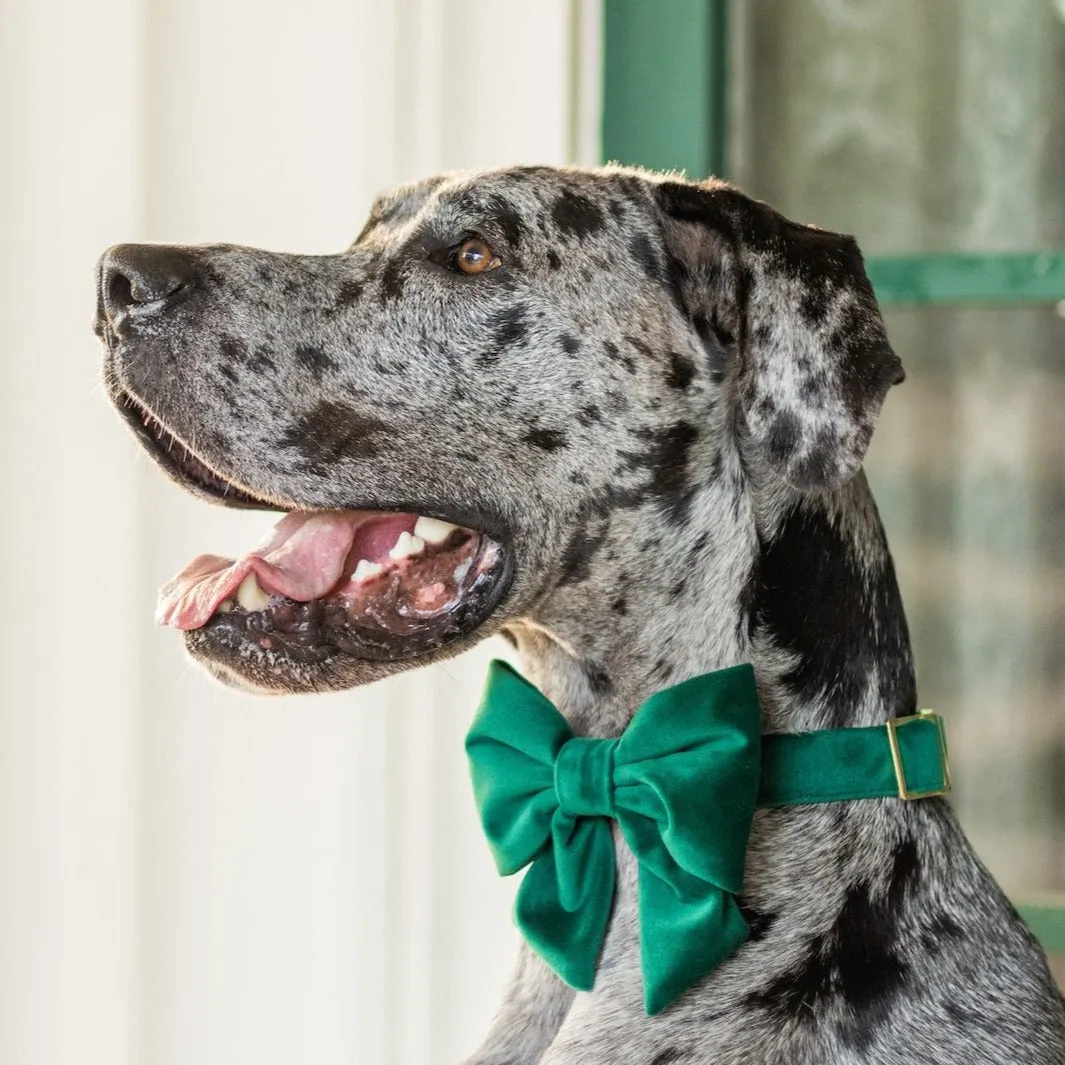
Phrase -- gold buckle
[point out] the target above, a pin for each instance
(896, 756)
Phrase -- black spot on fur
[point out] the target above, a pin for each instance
(598, 679)
(937, 931)
(570, 344)
(348, 293)
(758, 922)
(229, 373)
(813, 305)
(546, 439)
(971, 1019)
(641, 347)
(331, 431)
(615, 354)
(669, 1056)
(716, 343)
(589, 414)
(820, 463)
(393, 279)
(667, 457)
(233, 349)
(746, 610)
(783, 438)
(815, 597)
(798, 993)
(576, 215)
(681, 371)
(261, 362)
(717, 465)
(905, 874)
(766, 405)
(871, 974)
(314, 358)
(553, 261)
(759, 333)
(644, 253)
(581, 549)
(678, 589)
(508, 326)
(508, 220)
(620, 606)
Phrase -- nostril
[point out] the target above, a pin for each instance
(119, 291)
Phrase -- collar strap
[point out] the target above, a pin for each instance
(904, 759)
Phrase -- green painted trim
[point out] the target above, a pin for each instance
(664, 84)
(1047, 924)
(717, 58)
(1010, 278)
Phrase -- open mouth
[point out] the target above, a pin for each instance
(374, 584)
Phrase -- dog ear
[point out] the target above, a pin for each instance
(796, 305)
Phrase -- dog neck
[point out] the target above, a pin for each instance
(803, 587)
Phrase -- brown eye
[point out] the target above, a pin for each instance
(475, 256)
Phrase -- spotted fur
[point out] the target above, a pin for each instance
(660, 402)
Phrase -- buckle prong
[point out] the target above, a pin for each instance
(893, 726)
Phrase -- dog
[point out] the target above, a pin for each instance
(619, 418)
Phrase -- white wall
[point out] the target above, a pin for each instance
(189, 876)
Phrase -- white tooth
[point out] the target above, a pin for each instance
(406, 546)
(433, 531)
(250, 595)
(226, 606)
(366, 569)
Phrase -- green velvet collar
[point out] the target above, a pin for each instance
(682, 782)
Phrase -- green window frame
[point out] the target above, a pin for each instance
(665, 106)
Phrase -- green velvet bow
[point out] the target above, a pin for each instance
(681, 782)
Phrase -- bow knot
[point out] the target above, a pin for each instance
(681, 782)
(584, 777)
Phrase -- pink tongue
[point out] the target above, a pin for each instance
(304, 558)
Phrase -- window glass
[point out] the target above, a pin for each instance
(918, 126)
(968, 468)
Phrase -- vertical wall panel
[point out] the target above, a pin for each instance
(68, 637)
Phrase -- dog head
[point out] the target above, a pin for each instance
(442, 406)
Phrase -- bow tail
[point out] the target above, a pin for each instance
(563, 904)
(683, 936)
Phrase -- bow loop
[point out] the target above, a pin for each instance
(689, 761)
(681, 782)
(584, 777)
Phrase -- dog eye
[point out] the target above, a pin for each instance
(473, 256)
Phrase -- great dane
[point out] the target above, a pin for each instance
(618, 418)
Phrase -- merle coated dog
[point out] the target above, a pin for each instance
(618, 418)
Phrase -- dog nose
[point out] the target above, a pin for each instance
(136, 276)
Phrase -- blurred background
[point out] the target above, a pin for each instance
(189, 875)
